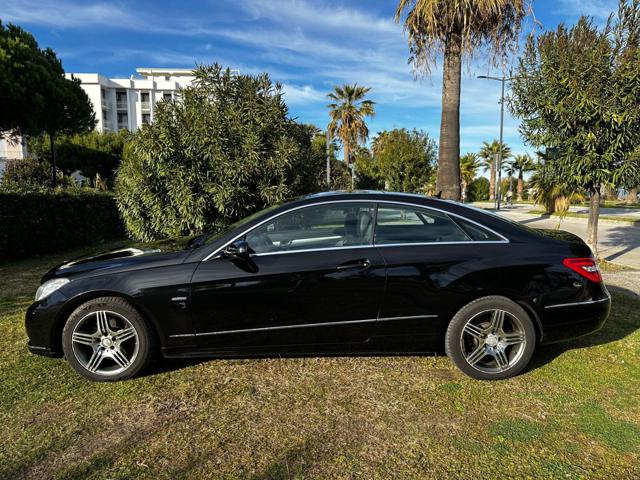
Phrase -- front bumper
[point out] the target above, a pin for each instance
(572, 320)
(43, 323)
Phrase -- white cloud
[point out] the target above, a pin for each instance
(320, 16)
(301, 95)
(598, 9)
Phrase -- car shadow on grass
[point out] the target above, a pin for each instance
(622, 322)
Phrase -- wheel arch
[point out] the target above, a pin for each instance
(78, 300)
(526, 306)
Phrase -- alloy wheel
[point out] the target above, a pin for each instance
(493, 341)
(105, 343)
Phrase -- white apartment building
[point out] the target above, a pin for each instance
(11, 149)
(130, 102)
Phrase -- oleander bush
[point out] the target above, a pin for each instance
(47, 221)
(226, 148)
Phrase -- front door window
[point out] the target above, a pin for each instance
(313, 228)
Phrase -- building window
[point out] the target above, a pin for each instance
(167, 78)
(123, 120)
(144, 97)
(167, 97)
(121, 99)
(146, 118)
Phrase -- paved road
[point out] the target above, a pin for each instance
(619, 242)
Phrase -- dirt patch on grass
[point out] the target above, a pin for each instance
(105, 439)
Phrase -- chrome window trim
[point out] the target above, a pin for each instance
(374, 245)
(574, 304)
(305, 325)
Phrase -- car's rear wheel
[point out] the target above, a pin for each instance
(491, 338)
(106, 339)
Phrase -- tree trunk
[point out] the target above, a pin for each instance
(448, 179)
(54, 179)
(492, 180)
(632, 196)
(520, 187)
(463, 190)
(347, 158)
(592, 223)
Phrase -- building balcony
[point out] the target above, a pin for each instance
(105, 105)
(122, 105)
(123, 125)
(145, 106)
(107, 126)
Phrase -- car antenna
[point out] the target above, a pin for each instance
(439, 195)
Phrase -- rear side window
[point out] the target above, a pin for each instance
(476, 232)
(398, 224)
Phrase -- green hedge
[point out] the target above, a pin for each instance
(34, 223)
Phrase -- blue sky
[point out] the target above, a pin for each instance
(307, 45)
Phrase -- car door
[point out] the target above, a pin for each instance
(430, 257)
(310, 276)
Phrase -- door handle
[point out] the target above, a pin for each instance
(357, 264)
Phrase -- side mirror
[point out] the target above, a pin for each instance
(238, 249)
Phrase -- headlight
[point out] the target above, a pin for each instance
(50, 286)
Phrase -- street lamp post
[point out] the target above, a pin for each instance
(502, 80)
(328, 159)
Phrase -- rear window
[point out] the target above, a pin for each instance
(403, 224)
(476, 232)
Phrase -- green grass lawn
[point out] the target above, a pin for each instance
(574, 414)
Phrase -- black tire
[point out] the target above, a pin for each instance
(141, 346)
(496, 357)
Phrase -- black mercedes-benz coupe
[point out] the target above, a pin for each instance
(333, 273)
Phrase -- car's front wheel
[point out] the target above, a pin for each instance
(106, 339)
(491, 338)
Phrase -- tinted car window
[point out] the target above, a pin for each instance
(322, 226)
(476, 232)
(399, 224)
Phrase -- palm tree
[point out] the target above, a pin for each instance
(488, 154)
(348, 111)
(521, 164)
(469, 165)
(454, 29)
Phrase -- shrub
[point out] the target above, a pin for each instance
(89, 153)
(225, 149)
(31, 174)
(478, 189)
(33, 223)
(405, 160)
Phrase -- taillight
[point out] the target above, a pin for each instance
(587, 267)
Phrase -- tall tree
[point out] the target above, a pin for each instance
(455, 29)
(348, 112)
(69, 111)
(487, 155)
(521, 164)
(577, 93)
(469, 165)
(34, 94)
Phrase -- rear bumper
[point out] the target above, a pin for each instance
(572, 320)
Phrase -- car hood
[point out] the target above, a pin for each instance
(140, 255)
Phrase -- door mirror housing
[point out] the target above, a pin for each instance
(237, 249)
